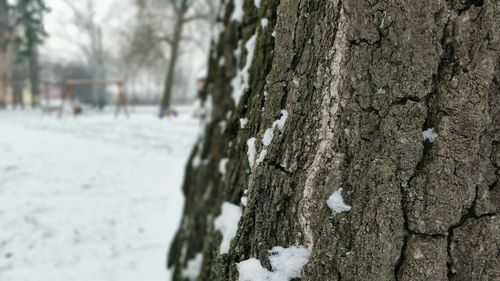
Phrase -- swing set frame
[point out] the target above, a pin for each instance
(120, 102)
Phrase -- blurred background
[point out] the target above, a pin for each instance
(99, 110)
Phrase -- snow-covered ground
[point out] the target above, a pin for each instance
(90, 199)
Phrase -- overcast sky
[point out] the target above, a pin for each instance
(64, 37)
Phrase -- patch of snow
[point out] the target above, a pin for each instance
(237, 53)
(221, 61)
(264, 22)
(273, 34)
(243, 122)
(268, 136)
(196, 161)
(382, 22)
(52, 170)
(280, 123)
(257, 3)
(238, 12)
(222, 125)
(201, 74)
(206, 116)
(380, 91)
(286, 263)
(227, 224)
(193, 268)
(429, 135)
(222, 165)
(251, 152)
(336, 203)
(418, 255)
(240, 82)
(252, 270)
(183, 252)
(217, 31)
(250, 47)
(262, 156)
(222, 9)
(244, 200)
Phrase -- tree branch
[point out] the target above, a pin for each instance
(196, 17)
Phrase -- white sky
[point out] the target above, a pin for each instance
(64, 37)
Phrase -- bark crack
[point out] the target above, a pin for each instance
(444, 61)
(468, 215)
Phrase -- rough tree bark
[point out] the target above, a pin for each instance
(361, 81)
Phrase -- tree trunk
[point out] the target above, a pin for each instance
(174, 54)
(18, 79)
(394, 106)
(34, 78)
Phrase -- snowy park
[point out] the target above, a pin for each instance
(249, 140)
(91, 198)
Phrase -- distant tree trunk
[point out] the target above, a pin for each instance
(174, 54)
(4, 24)
(34, 70)
(18, 85)
(4, 51)
(394, 105)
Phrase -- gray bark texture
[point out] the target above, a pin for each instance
(361, 81)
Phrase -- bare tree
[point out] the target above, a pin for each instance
(93, 50)
(186, 11)
(171, 33)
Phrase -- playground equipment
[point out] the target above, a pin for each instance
(120, 102)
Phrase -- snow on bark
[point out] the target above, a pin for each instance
(222, 165)
(240, 82)
(251, 152)
(227, 224)
(336, 203)
(269, 134)
(244, 200)
(257, 3)
(287, 263)
(262, 156)
(280, 123)
(193, 267)
(238, 12)
(264, 22)
(243, 122)
(217, 31)
(429, 135)
(252, 270)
